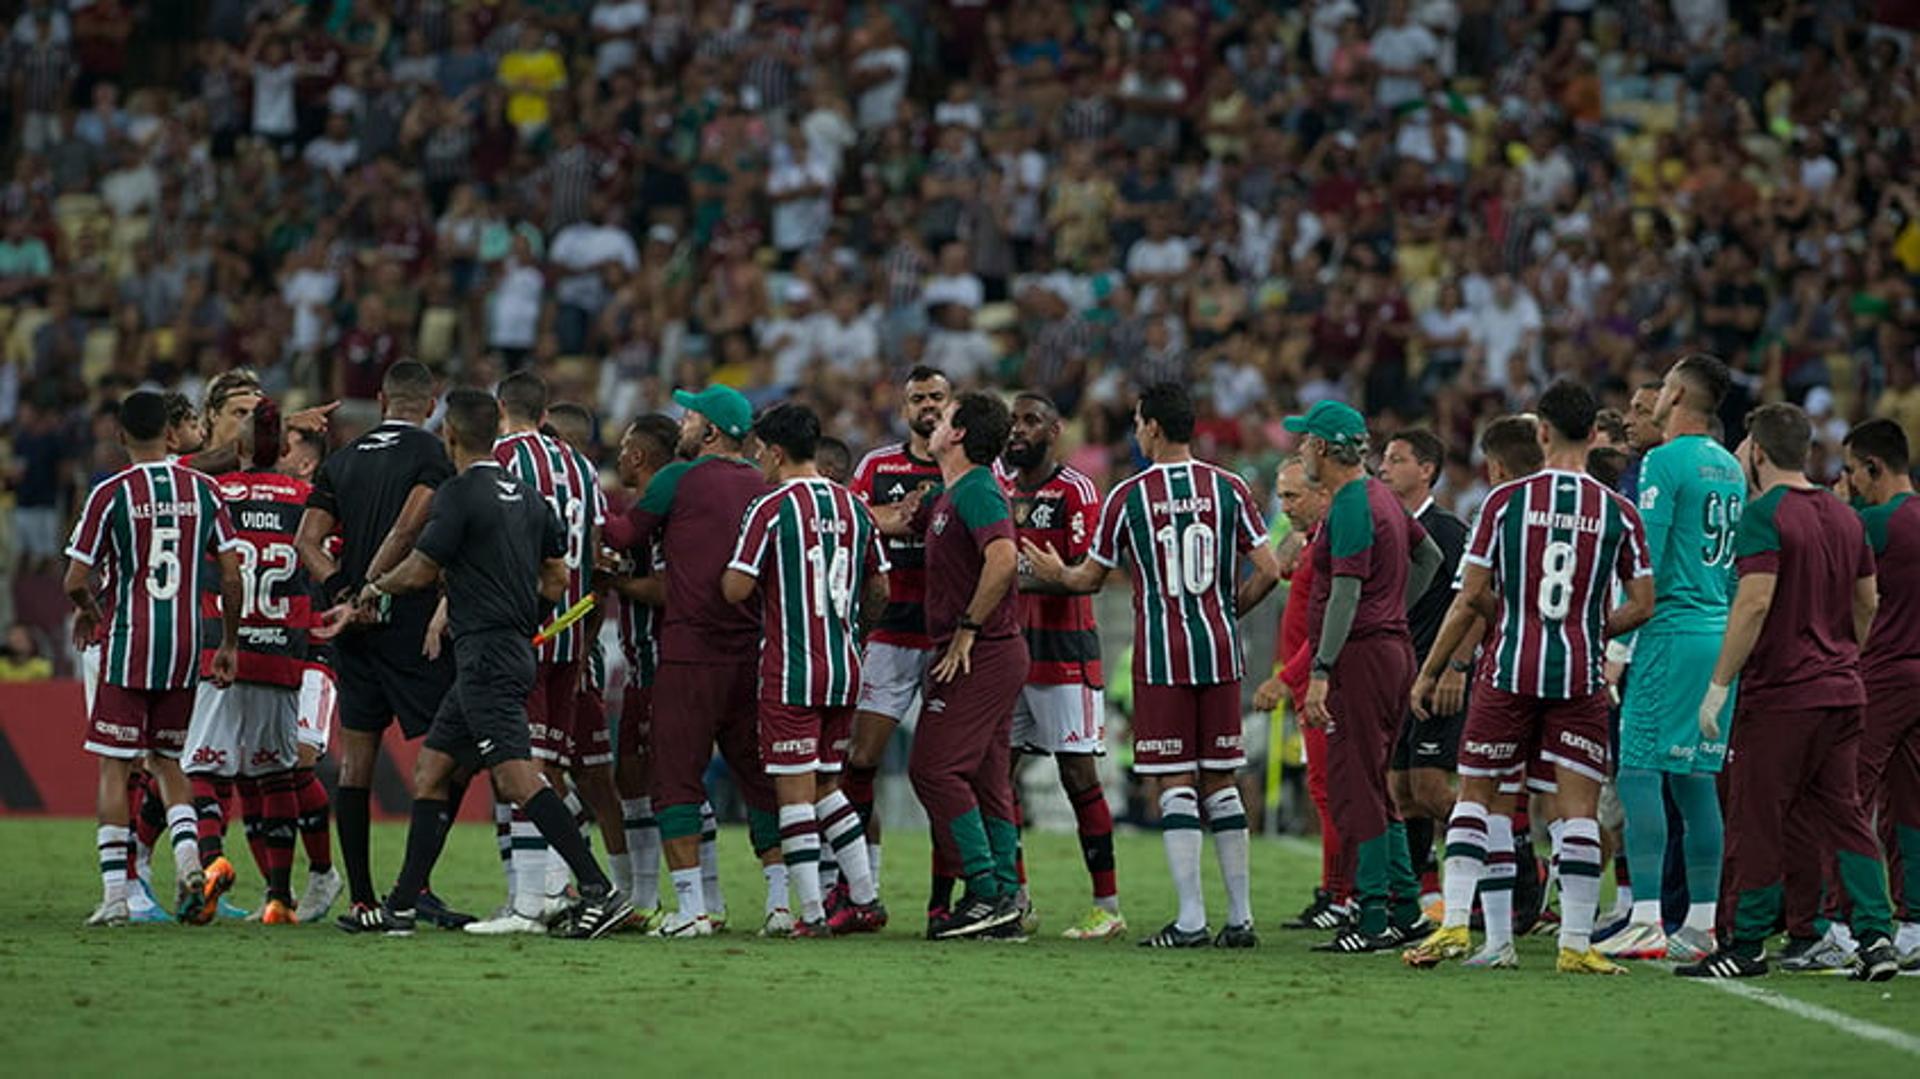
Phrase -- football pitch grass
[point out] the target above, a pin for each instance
(310, 1000)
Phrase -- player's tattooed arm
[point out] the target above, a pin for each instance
(405, 531)
(873, 602)
(86, 606)
(1260, 583)
(311, 544)
(553, 579)
(1634, 613)
(1045, 566)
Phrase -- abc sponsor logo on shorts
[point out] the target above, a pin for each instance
(1497, 750)
(212, 756)
(795, 747)
(1171, 747)
(264, 756)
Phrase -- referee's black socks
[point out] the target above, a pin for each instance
(425, 837)
(550, 815)
(351, 812)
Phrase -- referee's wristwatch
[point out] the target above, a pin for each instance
(1322, 669)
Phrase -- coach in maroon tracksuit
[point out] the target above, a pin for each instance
(1805, 603)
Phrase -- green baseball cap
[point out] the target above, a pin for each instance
(722, 405)
(1330, 420)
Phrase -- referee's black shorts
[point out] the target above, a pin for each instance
(383, 677)
(1433, 742)
(483, 719)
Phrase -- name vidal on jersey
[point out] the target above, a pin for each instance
(1567, 521)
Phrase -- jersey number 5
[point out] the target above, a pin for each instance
(163, 562)
(1187, 558)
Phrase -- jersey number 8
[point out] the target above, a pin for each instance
(1188, 558)
(1556, 581)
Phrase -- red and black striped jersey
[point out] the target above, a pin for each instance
(1062, 639)
(276, 605)
(886, 475)
(1184, 528)
(145, 529)
(1555, 542)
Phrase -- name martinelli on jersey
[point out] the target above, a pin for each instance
(1565, 521)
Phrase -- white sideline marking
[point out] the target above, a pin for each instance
(1846, 1024)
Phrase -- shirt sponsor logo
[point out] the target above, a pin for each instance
(264, 635)
(796, 747)
(233, 492)
(207, 755)
(1171, 747)
(264, 756)
(379, 440)
(1226, 741)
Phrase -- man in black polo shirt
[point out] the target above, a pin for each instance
(503, 553)
(374, 493)
(1423, 758)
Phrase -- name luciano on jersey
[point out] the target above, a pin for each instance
(1573, 522)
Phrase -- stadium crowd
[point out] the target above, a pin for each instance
(1426, 209)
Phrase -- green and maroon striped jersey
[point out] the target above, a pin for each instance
(1555, 542)
(812, 546)
(1184, 527)
(145, 530)
(571, 485)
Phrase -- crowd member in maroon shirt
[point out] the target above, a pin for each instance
(1804, 606)
(365, 352)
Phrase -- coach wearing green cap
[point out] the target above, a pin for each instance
(705, 690)
(1370, 561)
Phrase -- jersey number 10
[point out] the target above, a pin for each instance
(1188, 558)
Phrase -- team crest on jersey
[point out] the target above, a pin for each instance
(1042, 515)
(940, 523)
(509, 490)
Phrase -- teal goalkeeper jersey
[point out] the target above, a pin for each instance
(1691, 493)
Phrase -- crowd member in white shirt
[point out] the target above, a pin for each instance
(513, 307)
(829, 127)
(308, 286)
(1446, 334)
(274, 74)
(585, 255)
(954, 346)
(879, 73)
(1157, 261)
(1401, 50)
(335, 150)
(1506, 336)
(954, 282)
(789, 336)
(617, 25)
(846, 336)
(800, 186)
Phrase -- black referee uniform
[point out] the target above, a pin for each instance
(1435, 741)
(381, 672)
(490, 532)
